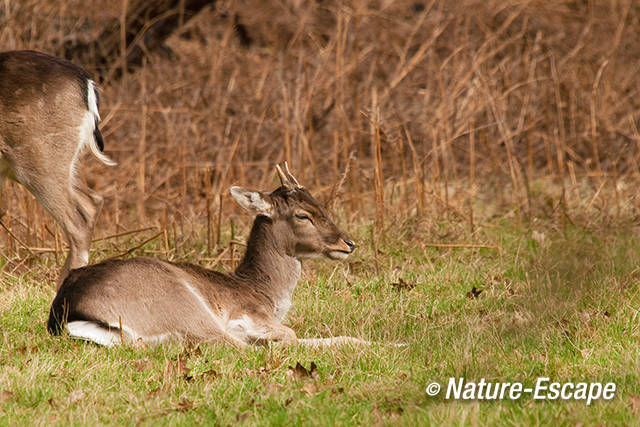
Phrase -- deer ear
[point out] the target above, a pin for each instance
(252, 201)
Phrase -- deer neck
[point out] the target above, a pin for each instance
(267, 267)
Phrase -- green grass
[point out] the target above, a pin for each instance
(564, 306)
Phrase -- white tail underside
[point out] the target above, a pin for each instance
(89, 123)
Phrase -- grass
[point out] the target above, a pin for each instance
(563, 305)
(458, 113)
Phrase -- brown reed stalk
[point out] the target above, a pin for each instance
(472, 172)
(219, 222)
(592, 110)
(435, 168)
(123, 36)
(376, 157)
(418, 174)
(142, 155)
(209, 228)
(15, 238)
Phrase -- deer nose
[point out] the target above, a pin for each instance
(351, 245)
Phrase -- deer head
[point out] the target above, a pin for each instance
(302, 225)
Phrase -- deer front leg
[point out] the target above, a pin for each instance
(76, 209)
(254, 331)
(78, 221)
(281, 334)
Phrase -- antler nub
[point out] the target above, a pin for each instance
(286, 178)
(283, 178)
(291, 177)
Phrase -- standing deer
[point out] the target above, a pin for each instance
(48, 115)
(155, 301)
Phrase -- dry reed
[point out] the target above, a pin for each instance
(433, 106)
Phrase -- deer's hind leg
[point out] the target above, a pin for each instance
(72, 205)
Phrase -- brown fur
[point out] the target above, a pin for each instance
(43, 106)
(149, 297)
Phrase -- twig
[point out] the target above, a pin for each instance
(120, 330)
(13, 236)
(127, 252)
(124, 233)
(219, 257)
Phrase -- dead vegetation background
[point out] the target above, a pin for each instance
(390, 110)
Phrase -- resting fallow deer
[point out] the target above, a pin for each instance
(155, 301)
(48, 115)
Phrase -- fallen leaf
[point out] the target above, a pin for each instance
(273, 364)
(635, 403)
(193, 351)
(262, 372)
(473, 293)
(377, 416)
(337, 390)
(143, 364)
(184, 405)
(393, 408)
(22, 349)
(155, 392)
(5, 396)
(209, 375)
(401, 284)
(179, 367)
(301, 372)
(242, 416)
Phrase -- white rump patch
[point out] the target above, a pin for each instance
(91, 331)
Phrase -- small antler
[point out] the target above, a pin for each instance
(291, 177)
(286, 178)
(283, 178)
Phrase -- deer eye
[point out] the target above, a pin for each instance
(304, 217)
